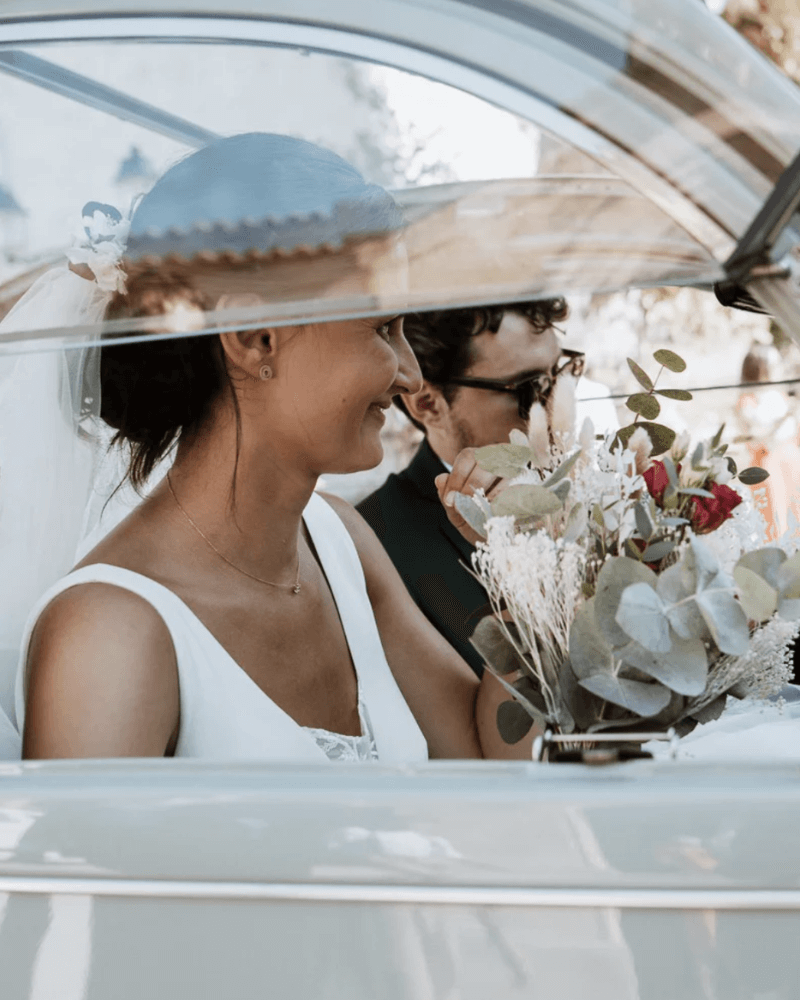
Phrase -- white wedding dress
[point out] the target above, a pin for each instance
(224, 714)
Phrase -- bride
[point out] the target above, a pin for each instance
(235, 612)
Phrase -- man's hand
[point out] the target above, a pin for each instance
(466, 477)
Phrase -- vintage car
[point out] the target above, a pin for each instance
(674, 143)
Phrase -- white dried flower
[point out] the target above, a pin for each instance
(763, 670)
(640, 444)
(680, 447)
(538, 579)
(561, 408)
(539, 435)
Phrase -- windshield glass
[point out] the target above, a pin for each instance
(488, 207)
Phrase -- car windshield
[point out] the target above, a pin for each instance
(493, 208)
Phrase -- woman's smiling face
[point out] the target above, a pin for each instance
(332, 383)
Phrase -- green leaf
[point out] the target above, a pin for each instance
(513, 722)
(642, 615)
(766, 562)
(470, 510)
(753, 476)
(684, 669)
(644, 524)
(656, 552)
(682, 394)
(661, 437)
(589, 652)
(640, 375)
(615, 575)
(717, 438)
(563, 470)
(669, 359)
(644, 404)
(492, 642)
(788, 577)
(758, 598)
(726, 620)
(561, 489)
(644, 699)
(701, 562)
(506, 460)
(694, 491)
(526, 501)
(577, 522)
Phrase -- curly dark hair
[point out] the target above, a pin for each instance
(442, 339)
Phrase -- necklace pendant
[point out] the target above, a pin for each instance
(296, 588)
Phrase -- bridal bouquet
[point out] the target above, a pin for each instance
(629, 578)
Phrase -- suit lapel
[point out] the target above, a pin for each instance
(423, 470)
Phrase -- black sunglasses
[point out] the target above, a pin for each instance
(533, 387)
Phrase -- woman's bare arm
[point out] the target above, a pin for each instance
(102, 678)
(455, 711)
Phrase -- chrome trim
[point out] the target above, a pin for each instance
(49, 76)
(321, 892)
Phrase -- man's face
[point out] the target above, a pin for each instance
(480, 416)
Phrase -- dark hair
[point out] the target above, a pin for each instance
(755, 367)
(442, 339)
(155, 390)
(218, 209)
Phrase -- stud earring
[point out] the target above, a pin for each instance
(265, 373)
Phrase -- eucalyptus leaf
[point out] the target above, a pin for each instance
(576, 523)
(732, 467)
(644, 699)
(589, 652)
(687, 621)
(644, 404)
(758, 598)
(491, 640)
(671, 471)
(713, 710)
(753, 476)
(661, 437)
(766, 561)
(669, 359)
(695, 491)
(640, 375)
(682, 394)
(657, 551)
(526, 501)
(701, 562)
(564, 469)
(615, 575)
(675, 584)
(698, 456)
(726, 620)
(642, 615)
(472, 513)
(789, 610)
(513, 722)
(644, 524)
(684, 669)
(788, 577)
(715, 441)
(506, 460)
(561, 489)
(674, 522)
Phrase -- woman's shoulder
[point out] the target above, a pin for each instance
(103, 654)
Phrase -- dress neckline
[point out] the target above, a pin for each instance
(328, 573)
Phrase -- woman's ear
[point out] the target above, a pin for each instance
(428, 406)
(247, 350)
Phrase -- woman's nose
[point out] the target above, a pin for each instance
(409, 376)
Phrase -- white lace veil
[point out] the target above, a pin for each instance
(51, 442)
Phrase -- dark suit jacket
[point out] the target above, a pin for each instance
(407, 516)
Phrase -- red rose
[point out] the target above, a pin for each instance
(707, 514)
(657, 481)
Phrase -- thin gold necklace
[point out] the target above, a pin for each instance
(292, 588)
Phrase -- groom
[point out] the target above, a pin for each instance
(505, 343)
